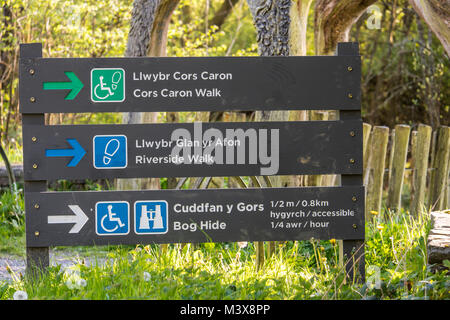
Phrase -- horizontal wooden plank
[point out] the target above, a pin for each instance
(172, 216)
(192, 149)
(61, 85)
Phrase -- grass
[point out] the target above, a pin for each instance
(12, 240)
(12, 227)
(14, 152)
(396, 268)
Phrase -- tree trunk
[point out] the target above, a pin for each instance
(147, 37)
(299, 24)
(436, 13)
(272, 21)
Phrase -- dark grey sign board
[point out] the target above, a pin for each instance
(193, 150)
(62, 85)
(74, 85)
(172, 216)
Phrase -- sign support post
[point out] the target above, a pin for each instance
(37, 257)
(352, 250)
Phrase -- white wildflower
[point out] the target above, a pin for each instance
(69, 283)
(242, 244)
(74, 281)
(20, 295)
(81, 283)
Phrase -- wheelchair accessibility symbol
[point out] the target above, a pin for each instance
(112, 218)
(107, 85)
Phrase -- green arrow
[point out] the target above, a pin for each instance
(75, 85)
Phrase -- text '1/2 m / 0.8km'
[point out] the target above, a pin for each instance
(299, 203)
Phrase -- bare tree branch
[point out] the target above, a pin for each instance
(333, 20)
(222, 14)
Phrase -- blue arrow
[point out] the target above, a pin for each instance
(77, 152)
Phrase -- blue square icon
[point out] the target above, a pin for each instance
(112, 218)
(110, 152)
(151, 217)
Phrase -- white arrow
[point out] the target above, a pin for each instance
(80, 219)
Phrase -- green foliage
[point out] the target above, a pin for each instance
(73, 28)
(12, 208)
(12, 222)
(70, 28)
(14, 152)
(192, 34)
(405, 76)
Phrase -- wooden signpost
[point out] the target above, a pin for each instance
(49, 85)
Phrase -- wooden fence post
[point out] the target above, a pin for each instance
(413, 147)
(421, 153)
(380, 136)
(447, 192)
(399, 152)
(413, 140)
(441, 169)
(432, 153)
(391, 156)
(366, 134)
(367, 128)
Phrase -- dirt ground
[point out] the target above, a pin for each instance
(12, 267)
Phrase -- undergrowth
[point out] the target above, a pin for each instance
(395, 256)
(395, 265)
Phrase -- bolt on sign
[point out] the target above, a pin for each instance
(224, 149)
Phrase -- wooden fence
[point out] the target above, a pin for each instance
(408, 169)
